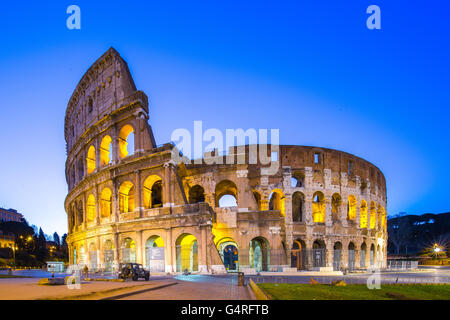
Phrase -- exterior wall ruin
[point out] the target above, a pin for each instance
(323, 208)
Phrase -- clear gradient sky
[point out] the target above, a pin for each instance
(310, 68)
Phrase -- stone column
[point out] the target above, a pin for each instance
(139, 247)
(168, 247)
(99, 254)
(167, 190)
(308, 210)
(329, 245)
(115, 202)
(116, 250)
(137, 182)
(97, 205)
(328, 213)
(203, 265)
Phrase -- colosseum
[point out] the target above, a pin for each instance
(128, 201)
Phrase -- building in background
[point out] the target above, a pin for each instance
(10, 215)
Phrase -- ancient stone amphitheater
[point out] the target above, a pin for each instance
(128, 201)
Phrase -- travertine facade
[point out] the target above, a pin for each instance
(129, 201)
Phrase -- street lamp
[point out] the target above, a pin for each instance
(14, 248)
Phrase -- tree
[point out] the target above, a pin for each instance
(56, 239)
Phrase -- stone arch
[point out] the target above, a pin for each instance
(128, 250)
(108, 255)
(363, 253)
(258, 198)
(363, 215)
(106, 203)
(380, 216)
(372, 255)
(351, 207)
(196, 194)
(126, 197)
(229, 252)
(90, 208)
(92, 256)
(298, 179)
(298, 254)
(155, 253)
(224, 188)
(318, 207)
(259, 254)
(187, 253)
(337, 256)
(351, 255)
(126, 137)
(373, 215)
(277, 201)
(298, 206)
(106, 150)
(90, 160)
(152, 192)
(318, 254)
(336, 204)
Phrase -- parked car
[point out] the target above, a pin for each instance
(134, 271)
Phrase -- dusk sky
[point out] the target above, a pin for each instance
(312, 70)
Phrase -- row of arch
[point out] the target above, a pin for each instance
(226, 195)
(126, 148)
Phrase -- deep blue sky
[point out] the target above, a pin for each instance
(312, 70)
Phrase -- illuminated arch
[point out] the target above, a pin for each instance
(318, 207)
(90, 160)
(229, 252)
(106, 151)
(363, 215)
(351, 207)
(108, 255)
(380, 215)
(105, 203)
(155, 254)
(126, 197)
(126, 134)
(373, 215)
(152, 191)
(90, 208)
(258, 197)
(187, 253)
(277, 201)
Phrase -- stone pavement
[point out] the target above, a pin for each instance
(28, 289)
(198, 287)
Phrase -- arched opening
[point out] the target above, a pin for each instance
(351, 256)
(92, 257)
(79, 209)
(298, 258)
(380, 216)
(337, 254)
(378, 256)
(108, 255)
(229, 252)
(383, 218)
(372, 255)
(351, 208)
(106, 151)
(319, 254)
(298, 204)
(187, 253)
(318, 207)
(363, 215)
(196, 194)
(81, 256)
(126, 141)
(259, 254)
(277, 201)
(90, 208)
(90, 160)
(154, 248)
(336, 203)
(105, 203)
(126, 197)
(80, 169)
(257, 196)
(152, 192)
(362, 259)
(373, 215)
(128, 251)
(226, 194)
(298, 179)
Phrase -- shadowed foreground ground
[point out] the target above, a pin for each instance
(285, 291)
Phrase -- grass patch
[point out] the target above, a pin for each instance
(11, 276)
(285, 291)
